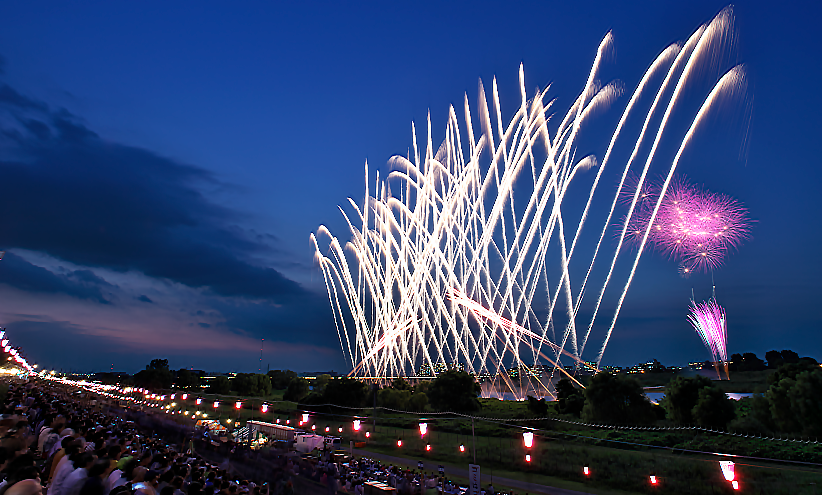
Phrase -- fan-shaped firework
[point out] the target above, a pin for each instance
(447, 264)
(693, 226)
(708, 319)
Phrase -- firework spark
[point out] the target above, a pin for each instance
(708, 319)
(444, 266)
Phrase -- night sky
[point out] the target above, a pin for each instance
(164, 164)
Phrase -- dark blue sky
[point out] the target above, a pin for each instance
(163, 164)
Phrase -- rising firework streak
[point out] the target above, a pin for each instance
(708, 319)
(449, 257)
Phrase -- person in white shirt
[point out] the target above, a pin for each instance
(74, 482)
(63, 469)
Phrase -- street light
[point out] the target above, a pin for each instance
(238, 405)
(423, 428)
(356, 425)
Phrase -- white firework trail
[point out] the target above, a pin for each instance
(448, 260)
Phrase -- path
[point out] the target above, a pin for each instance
(463, 473)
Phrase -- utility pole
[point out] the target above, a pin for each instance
(474, 440)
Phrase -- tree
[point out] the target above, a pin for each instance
(538, 407)
(252, 384)
(454, 391)
(750, 362)
(774, 359)
(681, 396)
(806, 401)
(418, 402)
(570, 399)
(400, 383)
(616, 399)
(281, 378)
(346, 392)
(186, 379)
(789, 357)
(713, 408)
(297, 390)
(318, 387)
(220, 385)
(394, 399)
(155, 376)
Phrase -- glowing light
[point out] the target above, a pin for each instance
(278, 420)
(367, 434)
(708, 319)
(185, 396)
(264, 408)
(399, 443)
(305, 417)
(735, 484)
(199, 401)
(339, 429)
(327, 428)
(216, 404)
(528, 438)
(313, 427)
(462, 448)
(238, 405)
(653, 479)
(356, 425)
(445, 221)
(228, 421)
(527, 457)
(4, 342)
(423, 428)
(585, 471)
(428, 447)
(727, 468)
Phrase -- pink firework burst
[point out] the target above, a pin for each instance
(693, 226)
(708, 319)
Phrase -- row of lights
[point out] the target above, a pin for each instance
(727, 467)
(13, 353)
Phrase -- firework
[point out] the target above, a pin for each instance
(693, 226)
(708, 319)
(443, 266)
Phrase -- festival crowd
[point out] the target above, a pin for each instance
(55, 440)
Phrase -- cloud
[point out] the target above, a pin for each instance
(95, 203)
(144, 298)
(84, 284)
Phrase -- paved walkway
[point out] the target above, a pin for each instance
(463, 473)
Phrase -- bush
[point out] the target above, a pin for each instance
(713, 408)
(454, 391)
(297, 390)
(616, 399)
(681, 396)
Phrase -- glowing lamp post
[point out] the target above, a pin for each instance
(528, 439)
(462, 448)
(216, 404)
(305, 417)
(367, 434)
(313, 427)
(339, 429)
(327, 429)
(356, 425)
(238, 405)
(428, 447)
(527, 457)
(264, 408)
(399, 442)
(423, 429)
(654, 480)
(586, 471)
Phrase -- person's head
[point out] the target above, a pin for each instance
(138, 474)
(195, 488)
(82, 460)
(232, 489)
(152, 477)
(25, 487)
(167, 490)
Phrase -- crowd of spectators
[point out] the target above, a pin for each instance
(55, 440)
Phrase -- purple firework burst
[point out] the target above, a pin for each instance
(693, 226)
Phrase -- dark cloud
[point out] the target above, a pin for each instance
(74, 196)
(19, 273)
(145, 298)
